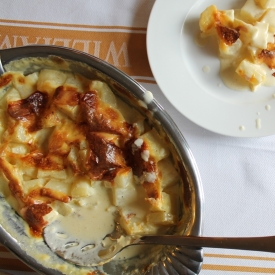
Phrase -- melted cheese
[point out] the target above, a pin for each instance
(73, 153)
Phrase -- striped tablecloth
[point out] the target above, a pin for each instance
(238, 175)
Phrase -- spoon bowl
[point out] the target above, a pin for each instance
(105, 251)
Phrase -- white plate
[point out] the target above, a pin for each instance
(178, 63)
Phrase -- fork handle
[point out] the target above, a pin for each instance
(266, 244)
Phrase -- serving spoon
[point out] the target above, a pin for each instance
(83, 253)
(2, 71)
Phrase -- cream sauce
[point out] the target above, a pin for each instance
(148, 97)
(258, 123)
(93, 215)
(235, 82)
(268, 107)
(242, 128)
(206, 69)
(200, 41)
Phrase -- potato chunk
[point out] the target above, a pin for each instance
(49, 80)
(207, 20)
(25, 85)
(169, 174)
(252, 73)
(155, 145)
(161, 217)
(104, 92)
(265, 4)
(82, 188)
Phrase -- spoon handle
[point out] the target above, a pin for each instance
(2, 71)
(266, 244)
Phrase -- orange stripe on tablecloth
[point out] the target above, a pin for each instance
(145, 80)
(30, 23)
(3, 249)
(13, 264)
(241, 257)
(9, 262)
(126, 50)
(232, 268)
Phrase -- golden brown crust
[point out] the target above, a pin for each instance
(227, 35)
(66, 95)
(34, 216)
(41, 111)
(5, 80)
(267, 57)
(75, 135)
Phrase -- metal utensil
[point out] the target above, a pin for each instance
(1, 67)
(82, 253)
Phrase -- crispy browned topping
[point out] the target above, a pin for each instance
(271, 46)
(105, 158)
(82, 136)
(34, 104)
(229, 36)
(220, 18)
(55, 195)
(5, 79)
(34, 217)
(267, 57)
(16, 190)
(101, 118)
(141, 167)
(45, 162)
(66, 96)
(151, 190)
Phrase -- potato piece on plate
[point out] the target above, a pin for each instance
(265, 4)
(252, 10)
(251, 72)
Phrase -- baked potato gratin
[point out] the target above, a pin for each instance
(64, 137)
(246, 41)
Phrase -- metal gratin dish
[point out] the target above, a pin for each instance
(160, 260)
